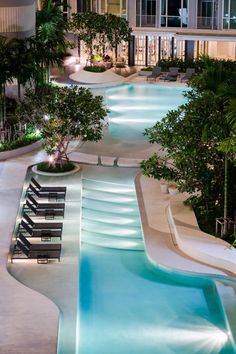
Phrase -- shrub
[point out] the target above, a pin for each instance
(45, 167)
(147, 68)
(95, 69)
(20, 142)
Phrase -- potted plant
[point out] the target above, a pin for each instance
(172, 189)
(164, 186)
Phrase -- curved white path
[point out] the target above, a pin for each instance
(107, 77)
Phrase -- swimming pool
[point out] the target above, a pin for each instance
(136, 107)
(132, 109)
(126, 304)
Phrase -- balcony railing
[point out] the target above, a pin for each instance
(207, 22)
(146, 21)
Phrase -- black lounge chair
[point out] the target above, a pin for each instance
(49, 195)
(45, 205)
(190, 72)
(47, 188)
(45, 234)
(38, 246)
(47, 213)
(42, 256)
(42, 225)
(156, 72)
(171, 75)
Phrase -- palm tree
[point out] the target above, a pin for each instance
(22, 62)
(50, 43)
(5, 76)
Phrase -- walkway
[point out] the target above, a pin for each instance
(29, 320)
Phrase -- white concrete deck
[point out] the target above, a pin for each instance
(88, 78)
(28, 320)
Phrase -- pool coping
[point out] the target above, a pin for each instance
(161, 242)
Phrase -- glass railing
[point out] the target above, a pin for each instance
(207, 22)
(146, 21)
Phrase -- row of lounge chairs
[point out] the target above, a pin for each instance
(28, 228)
(171, 75)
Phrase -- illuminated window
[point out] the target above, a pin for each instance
(229, 14)
(146, 13)
(174, 13)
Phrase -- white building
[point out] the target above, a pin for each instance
(172, 28)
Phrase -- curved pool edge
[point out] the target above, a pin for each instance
(160, 243)
(224, 283)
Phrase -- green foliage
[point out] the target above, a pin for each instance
(20, 142)
(197, 64)
(63, 113)
(95, 69)
(199, 140)
(46, 167)
(147, 68)
(97, 30)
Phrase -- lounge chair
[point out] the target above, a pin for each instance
(42, 225)
(156, 72)
(47, 188)
(42, 256)
(47, 213)
(188, 75)
(49, 195)
(45, 205)
(38, 246)
(45, 234)
(171, 75)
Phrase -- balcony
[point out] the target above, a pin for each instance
(207, 22)
(146, 21)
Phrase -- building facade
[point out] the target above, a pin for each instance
(172, 28)
(17, 18)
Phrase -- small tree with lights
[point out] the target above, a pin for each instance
(61, 114)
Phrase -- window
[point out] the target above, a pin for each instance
(174, 13)
(229, 14)
(207, 10)
(146, 13)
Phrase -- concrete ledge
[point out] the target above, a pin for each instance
(126, 162)
(195, 243)
(5, 155)
(35, 170)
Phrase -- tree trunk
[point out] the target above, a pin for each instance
(225, 230)
(18, 89)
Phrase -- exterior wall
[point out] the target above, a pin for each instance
(131, 13)
(192, 11)
(17, 18)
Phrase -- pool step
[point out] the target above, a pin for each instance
(108, 187)
(109, 207)
(112, 230)
(109, 196)
(116, 242)
(110, 218)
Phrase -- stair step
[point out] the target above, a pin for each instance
(117, 242)
(108, 187)
(110, 218)
(109, 196)
(110, 207)
(112, 229)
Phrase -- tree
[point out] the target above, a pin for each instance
(49, 44)
(97, 30)
(199, 139)
(63, 113)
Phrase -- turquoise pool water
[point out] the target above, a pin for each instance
(136, 107)
(127, 305)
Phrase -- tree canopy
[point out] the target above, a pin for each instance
(199, 139)
(63, 113)
(97, 30)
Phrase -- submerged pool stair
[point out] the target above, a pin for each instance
(110, 215)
